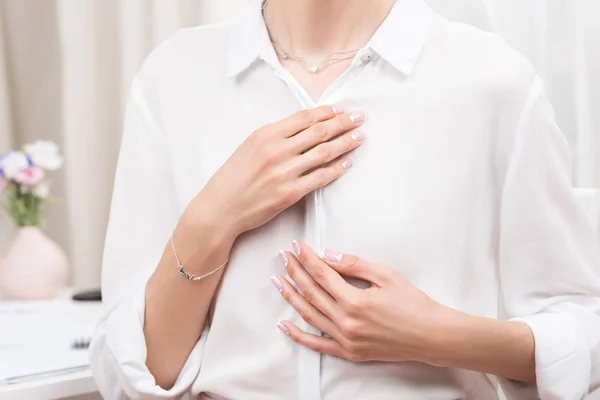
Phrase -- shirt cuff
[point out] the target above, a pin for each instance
(127, 345)
(562, 357)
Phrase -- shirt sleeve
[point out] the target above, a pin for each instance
(143, 214)
(549, 259)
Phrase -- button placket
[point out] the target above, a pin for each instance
(309, 362)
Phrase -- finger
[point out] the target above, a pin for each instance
(323, 176)
(307, 311)
(319, 344)
(322, 273)
(355, 267)
(304, 119)
(310, 289)
(326, 152)
(324, 131)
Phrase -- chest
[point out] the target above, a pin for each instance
(419, 184)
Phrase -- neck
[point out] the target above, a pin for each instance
(313, 28)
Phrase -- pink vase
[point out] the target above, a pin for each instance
(33, 268)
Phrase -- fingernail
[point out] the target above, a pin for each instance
(283, 329)
(358, 135)
(332, 256)
(283, 258)
(277, 283)
(347, 163)
(357, 117)
(339, 109)
(296, 247)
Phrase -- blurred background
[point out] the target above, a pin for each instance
(66, 68)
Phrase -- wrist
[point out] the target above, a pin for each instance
(204, 231)
(476, 343)
(202, 239)
(203, 215)
(445, 334)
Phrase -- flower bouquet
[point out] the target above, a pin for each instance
(34, 266)
(23, 179)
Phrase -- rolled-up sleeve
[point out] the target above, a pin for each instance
(549, 259)
(143, 214)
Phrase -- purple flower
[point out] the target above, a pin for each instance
(12, 163)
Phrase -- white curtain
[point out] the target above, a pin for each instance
(66, 66)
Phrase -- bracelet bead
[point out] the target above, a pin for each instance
(191, 277)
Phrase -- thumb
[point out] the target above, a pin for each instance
(354, 267)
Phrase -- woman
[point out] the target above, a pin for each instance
(441, 241)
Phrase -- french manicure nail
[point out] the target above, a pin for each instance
(296, 247)
(283, 329)
(283, 258)
(347, 163)
(358, 135)
(357, 117)
(339, 109)
(332, 256)
(277, 283)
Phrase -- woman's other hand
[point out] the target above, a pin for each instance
(276, 166)
(389, 321)
(394, 321)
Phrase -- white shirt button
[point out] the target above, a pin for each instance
(366, 57)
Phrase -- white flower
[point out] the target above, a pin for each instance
(12, 163)
(41, 190)
(44, 154)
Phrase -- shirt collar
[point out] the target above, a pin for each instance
(402, 35)
(249, 40)
(399, 40)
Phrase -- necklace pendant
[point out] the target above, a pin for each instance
(314, 69)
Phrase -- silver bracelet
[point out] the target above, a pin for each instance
(185, 274)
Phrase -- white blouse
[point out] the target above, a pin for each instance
(463, 185)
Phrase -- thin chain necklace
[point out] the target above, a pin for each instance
(333, 58)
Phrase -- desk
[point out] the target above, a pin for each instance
(47, 325)
(76, 385)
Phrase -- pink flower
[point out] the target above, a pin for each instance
(2, 184)
(30, 176)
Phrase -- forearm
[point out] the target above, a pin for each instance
(500, 348)
(176, 308)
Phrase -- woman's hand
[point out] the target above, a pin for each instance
(277, 165)
(390, 321)
(393, 321)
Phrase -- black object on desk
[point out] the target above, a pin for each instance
(88, 295)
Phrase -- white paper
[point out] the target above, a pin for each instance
(37, 337)
(23, 363)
